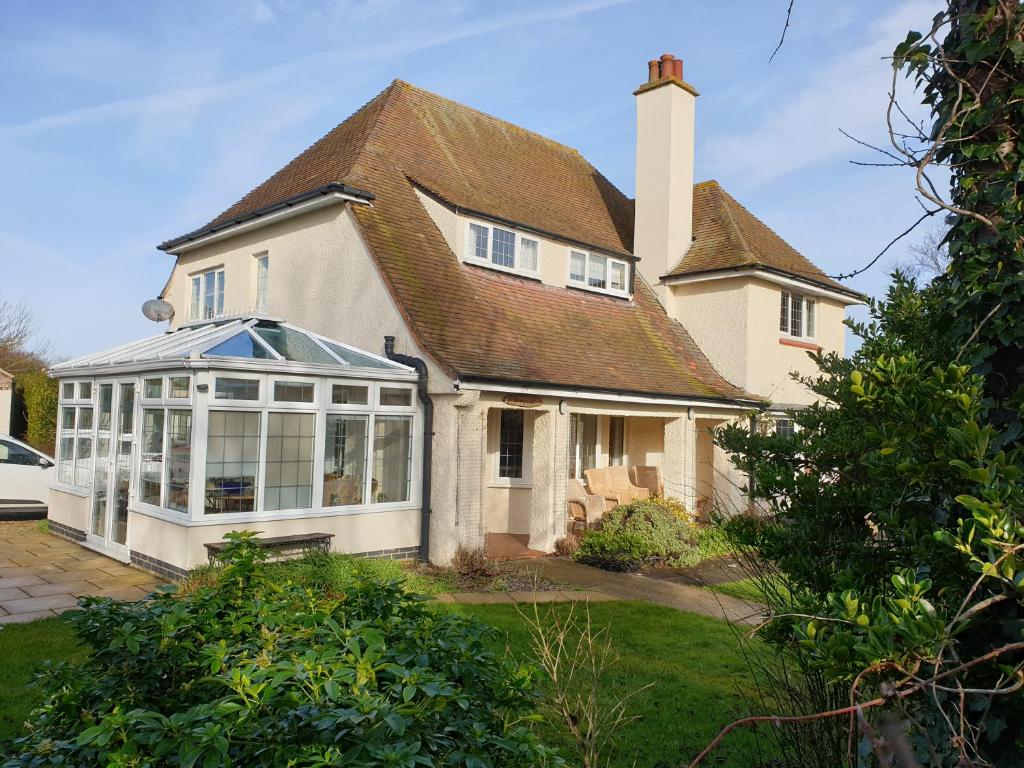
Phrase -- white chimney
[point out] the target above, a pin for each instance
(663, 226)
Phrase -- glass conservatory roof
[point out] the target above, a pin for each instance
(252, 339)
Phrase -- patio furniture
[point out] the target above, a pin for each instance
(281, 546)
(585, 509)
(613, 484)
(649, 478)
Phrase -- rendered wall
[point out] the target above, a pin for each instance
(69, 509)
(6, 396)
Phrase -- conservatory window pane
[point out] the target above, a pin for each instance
(237, 389)
(392, 459)
(395, 396)
(179, 387)
(85, 390)
(67, 418)
(349, 394)
(292, 345)
(83, 462)
(66, 460)
(344, 460)
(179, 459)
(151, 472)
(67, 391)
(232, 461)
(293, 392)
(85, 418)
(106, 405)
(289, 479)
(154, 389)
(241, 345)
(354, 358)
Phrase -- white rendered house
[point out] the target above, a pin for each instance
(552, 325)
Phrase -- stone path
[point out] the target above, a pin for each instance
(508, 598)
(42, 575)
(628, 586)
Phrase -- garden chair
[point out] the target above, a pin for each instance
(649, 478)
(585, 509)
(613, 484)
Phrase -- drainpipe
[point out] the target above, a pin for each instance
(428, 438)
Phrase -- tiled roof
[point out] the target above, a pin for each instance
(728, 236)
(477, 323)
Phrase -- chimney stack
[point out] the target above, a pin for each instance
(663, 224)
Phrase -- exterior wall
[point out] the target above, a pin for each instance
(735, 321)
(645, 441)
(69, 509)
(321, 277)
(183, 546)
(6, 404)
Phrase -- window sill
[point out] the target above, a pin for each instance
(599, 291)
(235, 518)
(789, 342)
(83, 493)
(503, 482)
(499, 268)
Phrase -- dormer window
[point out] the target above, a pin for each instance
(502, 248)
(598, 273)
(797, 315)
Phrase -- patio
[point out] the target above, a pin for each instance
(42, 575)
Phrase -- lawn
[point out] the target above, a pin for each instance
(700, 678)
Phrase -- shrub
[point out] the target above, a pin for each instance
(567, 545)
(633, 535)
(613, 550)
(252, 672)
(472, 565)
(40, 395)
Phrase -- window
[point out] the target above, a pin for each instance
(293, 392)
(179, 458)
(12, 453)
(598, 273)
(232, 461)
(262, 277)
(237, 389)
(797, 315)
(510, 444)
(67, 390)
(502, 248)
(152, 469)
(392, 459)
(208, 295)
(153, 389)
(85, 390)
(349, 394)
(179, 387)
(345, 460)
(582, 444)
(395, 396)
(785, 427)
(616, 440)
(289, 473)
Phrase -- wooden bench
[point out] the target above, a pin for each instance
(281, 546)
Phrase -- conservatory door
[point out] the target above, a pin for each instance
(108, 528)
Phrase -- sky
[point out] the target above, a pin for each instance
(123, 124)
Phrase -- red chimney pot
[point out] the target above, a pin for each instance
(652, 70)
(677, 69)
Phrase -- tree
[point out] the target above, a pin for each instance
(928, 258)
(19, 349)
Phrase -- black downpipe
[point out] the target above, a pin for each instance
(428, 438)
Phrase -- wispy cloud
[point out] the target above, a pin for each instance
(195, 97)
(850, 92)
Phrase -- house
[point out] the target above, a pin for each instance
(6, 402)
(548, 324)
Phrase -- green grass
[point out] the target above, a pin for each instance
(750, 589)
(699, 675)
(23, 649)
(711, 542)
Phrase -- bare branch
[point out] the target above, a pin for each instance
(789, 15)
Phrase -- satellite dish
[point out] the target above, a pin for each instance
(157, 310)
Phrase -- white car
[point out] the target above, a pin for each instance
(25, 473)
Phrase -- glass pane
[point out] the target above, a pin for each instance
(85, 390)
(618, 270)
(510, 447)
(237, 389)
(153, 389)
(197, 299)
(220, 294)
(395, 396)
(616, 440)
(179, 387)
(232, 461)
(152, 469)
(596, 271)
(503, 249)
(349, 394)
(85, 418)
(12, 453)
(123, 463)
(240, 345)
(478, 241)
(179, 458)
(67, 390)
(262, 275)
(796, 312)
(101, 465)
(67, 418)
(344, 460)
(354, 358)
(586, 442)
(392, 459)
(66, 460)
(784, 313)
(809, 307)
(292, 345)
(577, 266)
(289, 461)
(528, 258)
(209, 294)
(293, 392)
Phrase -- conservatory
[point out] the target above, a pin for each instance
(165, 444)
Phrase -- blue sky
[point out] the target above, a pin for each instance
(125, 123)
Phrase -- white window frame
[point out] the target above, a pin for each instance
(197, 303)
(584, 284)
(470, 249)
(284, 405)
(494, 450)
(808, 315)
(262, 279)
(75, 403)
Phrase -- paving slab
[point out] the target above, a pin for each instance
(57, 602)
(24, 618)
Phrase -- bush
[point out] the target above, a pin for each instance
(613, 550)
(40, 395)
(471, 565)
(633, 535)
(252, 672)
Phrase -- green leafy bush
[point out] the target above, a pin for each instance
(633, 535)
(40, 395)
(252, 672)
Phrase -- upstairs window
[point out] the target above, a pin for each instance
(797, 315)
(262, 278)
(208, 295)
(598, 273)
(502, 248)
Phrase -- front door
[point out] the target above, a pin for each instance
(112, 472)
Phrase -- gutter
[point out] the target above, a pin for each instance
(742, 269)
(428, 438)
(326, 190)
